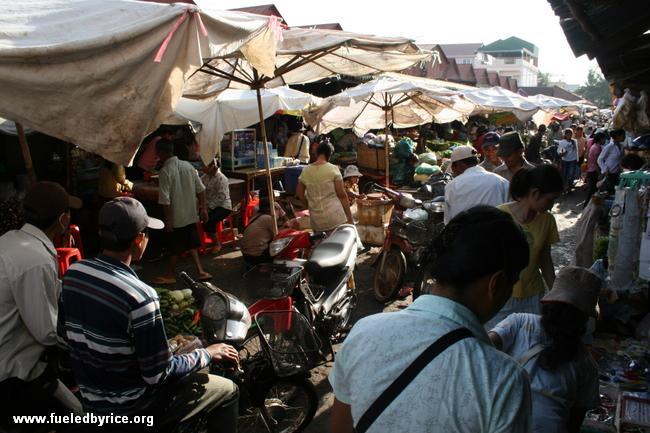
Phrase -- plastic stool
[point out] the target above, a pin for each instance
(249, 210)
(66, 257)
(75, 232)
(226, 235)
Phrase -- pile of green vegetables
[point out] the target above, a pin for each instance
(178, 312)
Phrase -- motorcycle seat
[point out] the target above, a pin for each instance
(333, 251)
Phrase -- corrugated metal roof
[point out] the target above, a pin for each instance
(461, 50)
(613, 33)
(511, 44)
(554, 91)
(268, 10)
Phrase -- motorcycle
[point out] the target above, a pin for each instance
(405, 252)
(323, 277)
(275, 393)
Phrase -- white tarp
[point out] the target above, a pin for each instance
(498, 99)
(235, 109)
(307, 55)
(84, 70)
(551, 103)
(412, 101)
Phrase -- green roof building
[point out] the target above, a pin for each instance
(514, 57)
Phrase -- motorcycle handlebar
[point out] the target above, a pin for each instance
(187, 279)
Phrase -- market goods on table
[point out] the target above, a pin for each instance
(179, 312)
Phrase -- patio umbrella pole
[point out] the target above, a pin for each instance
(27, 155)
(386, 147)
(269, 179)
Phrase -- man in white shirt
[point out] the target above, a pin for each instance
(472, 185)
(610, 158)
(470, 386)
(29, 292)
(567, 149)
(180, 187)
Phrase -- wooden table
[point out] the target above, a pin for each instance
(248, 175)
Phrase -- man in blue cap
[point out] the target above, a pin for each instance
(489, 146)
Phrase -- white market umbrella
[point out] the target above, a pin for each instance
(390, 99)
(498, 99)
(104, 73)
(304, 55)
(237, 108)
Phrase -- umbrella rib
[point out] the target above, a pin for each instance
(357, 62)
(222, 74)
(300, 60)
(361, 111)
(239, 63)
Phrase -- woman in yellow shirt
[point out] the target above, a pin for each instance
(321, 186)
(534, 191)
(113, 181)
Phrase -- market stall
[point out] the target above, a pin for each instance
(390, 99)
(143, 51)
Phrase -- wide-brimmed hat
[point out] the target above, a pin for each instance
(578, 287)
(351, 171)
(509, 143)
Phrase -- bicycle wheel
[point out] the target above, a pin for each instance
(289, 406)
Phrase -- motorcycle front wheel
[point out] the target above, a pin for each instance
(389, 277)
(289, 406)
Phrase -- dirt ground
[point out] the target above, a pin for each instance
(226, 268)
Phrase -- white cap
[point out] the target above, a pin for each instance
(462, 152)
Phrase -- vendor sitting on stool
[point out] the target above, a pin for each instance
(259, 234)
(217, 195)
(351, 177)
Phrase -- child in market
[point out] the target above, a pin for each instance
(351, 177)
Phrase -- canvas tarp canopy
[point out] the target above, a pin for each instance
(84, 71)
(498, 99)
(552, 103)
(307, 55)
(408, 101)
(237, 108)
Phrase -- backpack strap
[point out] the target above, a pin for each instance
(407, 376)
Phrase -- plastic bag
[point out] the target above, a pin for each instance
(625, 112)
(425, 168)
(642, 120)
(429, 158)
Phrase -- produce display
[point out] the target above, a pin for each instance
(179, 312)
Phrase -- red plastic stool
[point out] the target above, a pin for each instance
(66, 257)
(226, 235)
(75, 232)
(249, 210)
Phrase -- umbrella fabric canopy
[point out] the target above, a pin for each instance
(410, 102)
(496, 99)
(307, 55)
(389, 99)
(235, 109)
(104, 73)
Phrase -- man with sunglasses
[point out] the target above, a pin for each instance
(111, 327)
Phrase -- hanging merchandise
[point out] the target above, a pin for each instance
(642, 120)
(625, 112)
(615, 224)
(623, 276)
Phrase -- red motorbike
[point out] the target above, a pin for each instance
(405, 252)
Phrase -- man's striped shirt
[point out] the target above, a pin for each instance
(111, 327)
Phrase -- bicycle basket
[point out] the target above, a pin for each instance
(289, 340)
